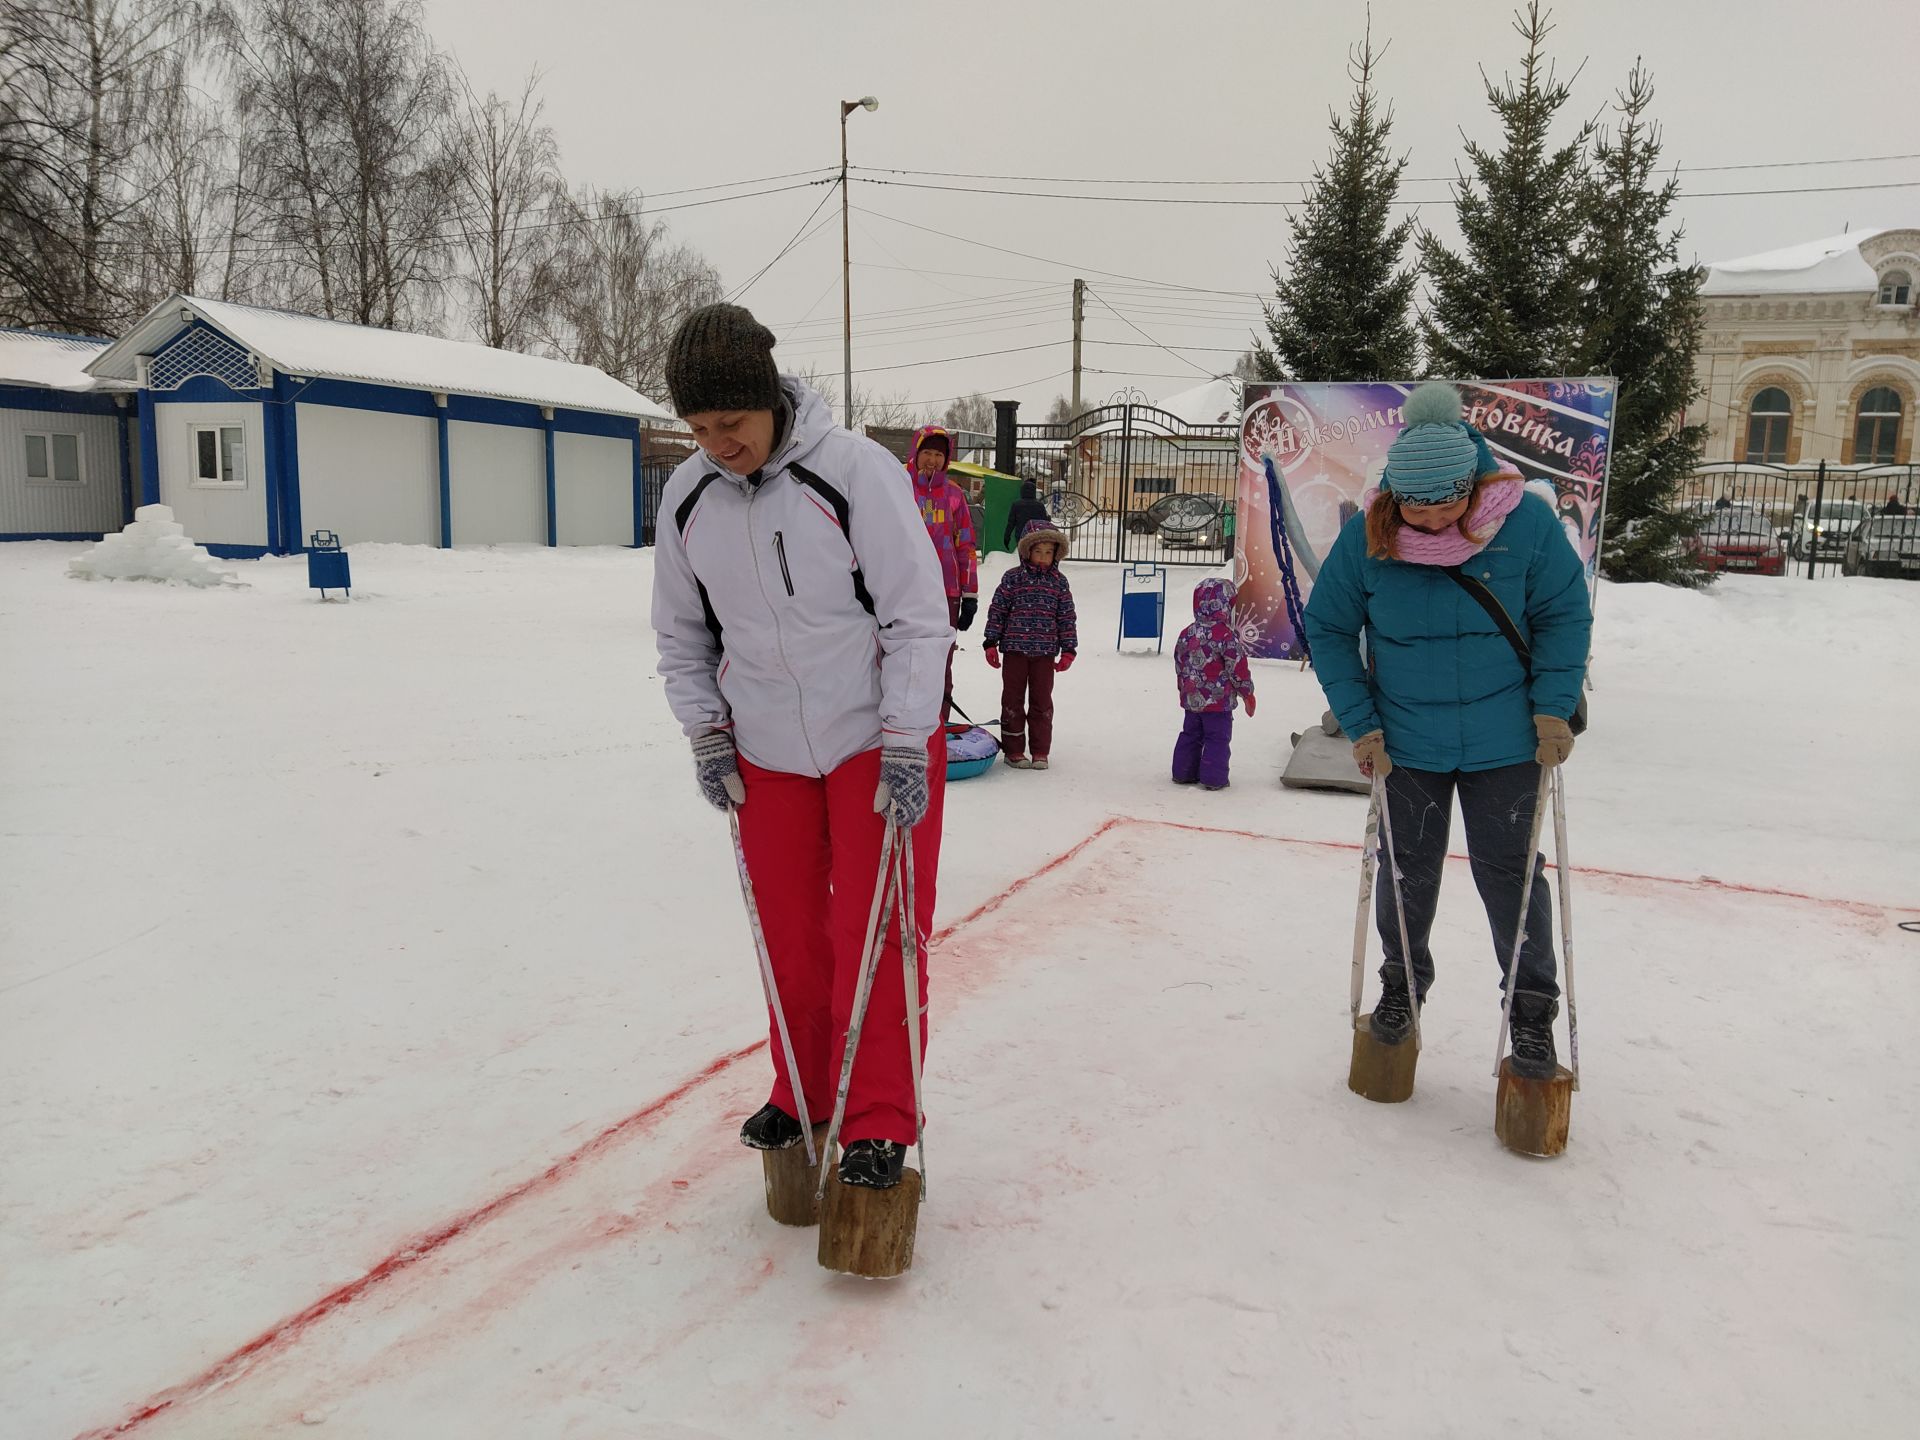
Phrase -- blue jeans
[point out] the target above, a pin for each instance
(1497, 806)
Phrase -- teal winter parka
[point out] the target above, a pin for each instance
(1445, 687)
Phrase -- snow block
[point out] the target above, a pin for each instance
(154, 547)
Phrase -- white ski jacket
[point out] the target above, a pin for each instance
(801, 607)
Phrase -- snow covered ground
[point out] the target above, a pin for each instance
(376, 1010)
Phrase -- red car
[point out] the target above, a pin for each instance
(1739, 540)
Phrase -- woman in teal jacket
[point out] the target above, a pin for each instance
(1442, 704)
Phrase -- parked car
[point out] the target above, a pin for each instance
(1884, 545)
(1739, 540)
(1824, 533)
(1195, 521)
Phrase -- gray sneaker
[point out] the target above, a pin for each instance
(1019, 762)
(1039, 762)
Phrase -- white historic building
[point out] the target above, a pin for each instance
(1813, 352)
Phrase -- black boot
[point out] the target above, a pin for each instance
(1530, 1023)
(771, 1128)
(876, 1164)
(1393, 1016)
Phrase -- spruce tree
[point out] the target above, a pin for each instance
(1342, 310)
(1508, 305)
(1642, 321)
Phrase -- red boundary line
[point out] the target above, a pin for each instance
(287, 1331)
(1703, 882)
(420, 1248)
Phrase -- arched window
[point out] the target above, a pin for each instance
(1896, 287)
(1876, 427)
(1769, 421)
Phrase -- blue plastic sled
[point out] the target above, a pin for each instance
(970, 751)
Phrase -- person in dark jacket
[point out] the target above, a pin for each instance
(1022, 513)
(1032, 619)
(1443, 706)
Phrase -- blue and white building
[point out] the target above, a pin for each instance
(259, 427)
(69, 445)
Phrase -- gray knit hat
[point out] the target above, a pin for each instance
(721, 358)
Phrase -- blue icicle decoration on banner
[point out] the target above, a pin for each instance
(1277, 510)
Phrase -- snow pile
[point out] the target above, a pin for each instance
(154, 547)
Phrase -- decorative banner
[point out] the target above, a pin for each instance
(1328, 444)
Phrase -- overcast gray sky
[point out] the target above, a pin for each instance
(673, 96)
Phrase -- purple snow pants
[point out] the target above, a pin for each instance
(1204, 747)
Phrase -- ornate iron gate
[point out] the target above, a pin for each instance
(1130, 482)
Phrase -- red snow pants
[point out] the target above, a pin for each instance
(813, 851)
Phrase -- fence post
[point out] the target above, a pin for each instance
(1818, 516)
(1126, 484)
(1006, 436)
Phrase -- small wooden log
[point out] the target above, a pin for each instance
(869, 1232)
(1531, 1116)
(1381, 1072)
(791, 1182)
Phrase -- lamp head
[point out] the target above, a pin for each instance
(869, 102)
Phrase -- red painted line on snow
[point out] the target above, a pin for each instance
(1702, 882)
(293, 1327)
(412, 1253)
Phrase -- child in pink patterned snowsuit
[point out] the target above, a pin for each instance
(943, 506)
(1210, 665)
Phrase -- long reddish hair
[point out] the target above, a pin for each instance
(1384, 520)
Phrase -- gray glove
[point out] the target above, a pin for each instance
(716, 765)
(903, 795)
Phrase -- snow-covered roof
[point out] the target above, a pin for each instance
(1816, 267)
(1216, 402)
(306, 345)
(48, 362)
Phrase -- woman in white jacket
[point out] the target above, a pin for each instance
(803, 632)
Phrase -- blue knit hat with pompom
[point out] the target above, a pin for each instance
(1438, 455)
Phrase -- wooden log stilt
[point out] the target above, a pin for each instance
(869, 1232)
(791, 1182)
(1531, 1116)
(1383, 1073)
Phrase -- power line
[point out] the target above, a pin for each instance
(1137, 330)
(955, 359)
(784, 249)
(1408, 180)
(1289, 204)
(1044, 260)
(1004, 297)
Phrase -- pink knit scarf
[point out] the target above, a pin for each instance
(1498, 499)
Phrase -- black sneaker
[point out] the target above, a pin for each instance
(1530, 1023)
(876, 1164)
(1392, 1018)
(771, 1128)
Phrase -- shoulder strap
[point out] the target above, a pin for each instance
(1496, 612)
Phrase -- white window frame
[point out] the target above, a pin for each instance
(197, 481)
(1887, 283)
(50, 478)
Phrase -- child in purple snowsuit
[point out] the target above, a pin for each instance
(1210, 664)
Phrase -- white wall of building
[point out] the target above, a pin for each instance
(499, 484)
(35, 507)
(368, 476)
(593, 490)
(234, 515)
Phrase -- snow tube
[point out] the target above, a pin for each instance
(970, 751)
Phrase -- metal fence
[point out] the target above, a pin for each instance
(1814, 513)
(1130, 482)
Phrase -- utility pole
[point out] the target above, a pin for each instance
(847, 107)
(1079, 321)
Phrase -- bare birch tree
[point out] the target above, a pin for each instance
(345, 105)
(512, 201)
(622, 287)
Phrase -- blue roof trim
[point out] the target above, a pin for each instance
(57, 402)
(54, 335)
(476, 409)
(77, 535)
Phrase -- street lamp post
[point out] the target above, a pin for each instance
(847, 107)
